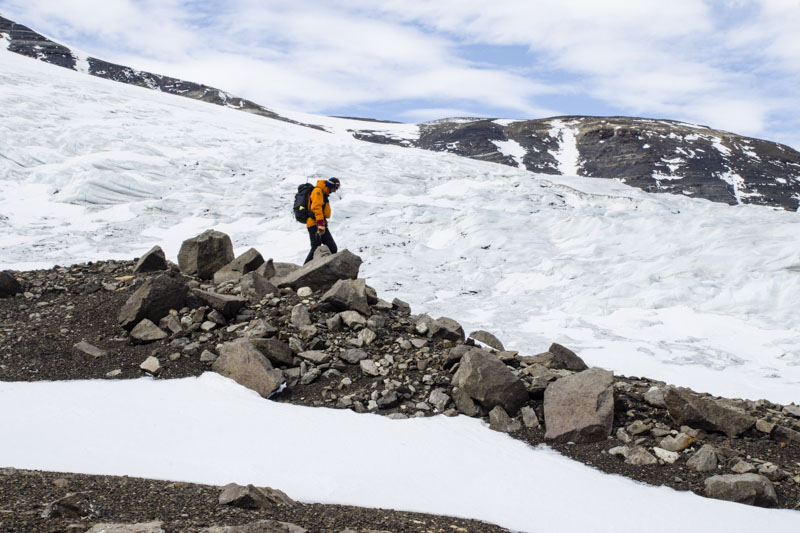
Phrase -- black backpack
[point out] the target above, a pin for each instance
(300, 208)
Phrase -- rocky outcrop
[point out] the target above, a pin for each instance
(242, 362)
(580, 408)
(486, 380)
(559, 358)
(252, 497)
(153, 300)
(204, 255)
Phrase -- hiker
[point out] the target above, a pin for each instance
(320, 210)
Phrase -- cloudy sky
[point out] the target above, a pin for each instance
(729, 64)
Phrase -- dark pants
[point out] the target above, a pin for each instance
(317, 240)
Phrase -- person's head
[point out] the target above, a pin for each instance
(333, 184)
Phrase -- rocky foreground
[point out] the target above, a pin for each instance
(318, 335)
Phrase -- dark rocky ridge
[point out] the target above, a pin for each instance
(657, 156)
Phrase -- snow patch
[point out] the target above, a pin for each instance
(513, 149)
(505, 121)
(567, 154)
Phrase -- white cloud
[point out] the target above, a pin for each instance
(698, 60)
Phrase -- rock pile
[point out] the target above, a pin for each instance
(319, 335)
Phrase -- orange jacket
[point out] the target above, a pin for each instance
(317, 204)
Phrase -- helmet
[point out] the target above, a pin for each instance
(333, 184)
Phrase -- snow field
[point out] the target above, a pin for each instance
(678, 289)
(187, 429)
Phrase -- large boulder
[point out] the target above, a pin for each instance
(488, 339)
(278, 352)
(153, 300)
(446, 329)
(252, 497)
(152, 261)
(487, 380)
(9, 286)
(321, 274)
(245, 364)
(347, 295)
(702, 412)
(558, 357)
(233, 271)
(751, 489)
(226, 304)
(580, 407)
(203, 255)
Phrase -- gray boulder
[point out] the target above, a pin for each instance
(558, 357)
(485, 379)
(686, 407)
(488, 339)
(73, 505)
(580, 407)
(233, 271)
(706, 459)
(86, 351)
(500, 421)
(226, 304)
(153, 300)
(321, 274)
(348, 295)
(242, 362)
(750, 489)
(446, 329)
(252, 497)
(255, 286)
(152, 261)
(353, 356)
(278, 352)
(9, 286)
(318, 357)
(203, 255)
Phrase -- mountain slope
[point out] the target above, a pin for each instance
(657, 156)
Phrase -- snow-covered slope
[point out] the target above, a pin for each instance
(684, 290)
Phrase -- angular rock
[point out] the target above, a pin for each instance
(446, 329)
(784, 434)
(84, 350)
(367, 336)
(634, 455)
(321, 274)
(254, 287)
(580, 407)
(146, 332)
(369, 367)
(276, 351)
(500, 421)
(252, 497)
(488, 381)
(764, 426)
(706, 459)
(346, 295)
(152, 261)
(401, 306)
(151, 365)
(73, 505)
(665, 455)
(155, 526)
(558, 358)
(260, 526)
(153, 300)
(750, 489)
(687, 407)
(488, 339)
(655, 397)
(242, 362)
(315, 356)
(439, 399)
(464, 403)
(353, 356)
(245, 263)
(300, 316)
(772, 472)
(170, 323)
(352, 318)
(261, 328)
(678, 443)
(529, 418)
(267, 270)
(204, 254)
(9, 286)
(743, 467)
(226, 304)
